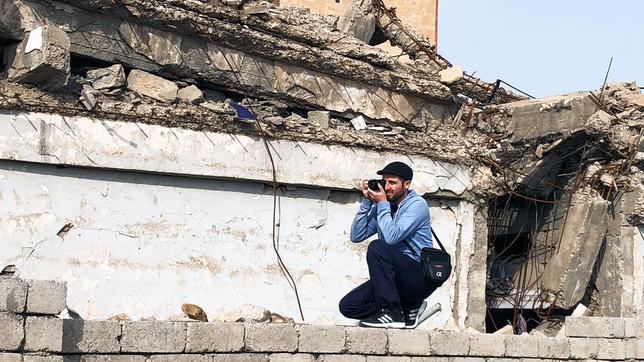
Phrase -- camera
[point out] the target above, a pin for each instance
(373, 184)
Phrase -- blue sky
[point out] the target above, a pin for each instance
(545, 47)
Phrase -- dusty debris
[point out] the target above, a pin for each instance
(194, 311)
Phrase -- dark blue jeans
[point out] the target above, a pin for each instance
(396, 282)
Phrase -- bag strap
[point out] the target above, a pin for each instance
(435, 237)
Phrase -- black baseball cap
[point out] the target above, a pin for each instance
(398, 169)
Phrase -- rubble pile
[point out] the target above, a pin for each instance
(576, 160)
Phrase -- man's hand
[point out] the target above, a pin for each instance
(377, 196)
(365, 189)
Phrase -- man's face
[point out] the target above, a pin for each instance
(395, 188)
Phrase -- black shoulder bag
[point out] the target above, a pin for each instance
(435, 263)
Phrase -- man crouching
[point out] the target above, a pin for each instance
(394, 295)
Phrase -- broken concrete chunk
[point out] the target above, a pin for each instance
(42, 58)
(359, 123)
(107, 78)
(451, 75)
(232, 2)
(257, 8)
(359, 20)
(505, 330)
(598, 123)
(89, 96)
(194, 311)
(152, 86)
(568, 272)
(191, 94)
(319, 117)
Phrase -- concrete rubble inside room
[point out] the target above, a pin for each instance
(557, 182)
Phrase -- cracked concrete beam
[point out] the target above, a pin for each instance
(80, 141)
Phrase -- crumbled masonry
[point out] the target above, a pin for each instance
(127, 177)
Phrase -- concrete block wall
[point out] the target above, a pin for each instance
(30, 329)
(30, 335)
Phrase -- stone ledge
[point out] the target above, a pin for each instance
(600, 327)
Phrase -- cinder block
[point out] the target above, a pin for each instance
(322, 339)
(366, 341)
(91, 336)
(153, 337)
(449, 343)
(468, 359)
(13, 295)
(241, 357)
(630, 327)
(12, 331)
(46, 297)
(630, 348)
(611, 349)
(388, 359)
(291, 357)
(411, 342)
(266, 337)
(215, 337)
(520, 346)
(639, 351)
(550, 347)
(180, 358)
(582, 348)
(10, 357)
(43, 334)
(41, 358)
(486, 345)
(595, 327)
(341, 358)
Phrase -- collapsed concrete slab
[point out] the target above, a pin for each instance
(566, 276)
(376, 93)
(536, 118)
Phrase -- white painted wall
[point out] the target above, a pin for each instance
(144, 240)
(143, 244)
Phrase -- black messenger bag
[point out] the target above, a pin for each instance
(436, 264)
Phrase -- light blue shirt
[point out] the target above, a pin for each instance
(411, 223)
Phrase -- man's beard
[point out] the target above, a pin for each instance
(396, 197)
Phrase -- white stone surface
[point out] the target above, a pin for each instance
(81, 141)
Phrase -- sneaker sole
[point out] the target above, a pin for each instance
(399, 325)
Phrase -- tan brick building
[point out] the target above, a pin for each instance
(421, 14)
